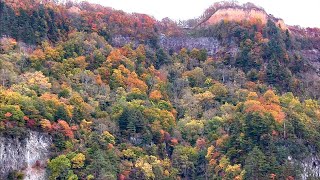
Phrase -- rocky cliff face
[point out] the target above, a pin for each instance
(240, 14)
(311, 168)
(210, 44)
(27, 154)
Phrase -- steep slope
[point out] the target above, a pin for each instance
(49, 21)
(111, 95)
(251, 15)
(233, 11)
(28, 153)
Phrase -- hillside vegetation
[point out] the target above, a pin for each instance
(140, 111)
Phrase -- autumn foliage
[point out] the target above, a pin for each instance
(233, 101)
(269, 103)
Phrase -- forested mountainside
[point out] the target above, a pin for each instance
(89, 92)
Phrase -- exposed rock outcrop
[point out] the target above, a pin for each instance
(238, 15)
(232, 11)
(210, 44)
(311, 167)
(27, 154)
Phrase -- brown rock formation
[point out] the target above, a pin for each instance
(238, 13)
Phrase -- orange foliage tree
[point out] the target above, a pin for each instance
(268, 103)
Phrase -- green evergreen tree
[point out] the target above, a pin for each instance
(257, 126)
(61, 114)
(103, 165)
(162, 58)
(256, 165)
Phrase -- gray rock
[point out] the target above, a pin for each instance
(28, 154)
(210, 44)
(311, 167)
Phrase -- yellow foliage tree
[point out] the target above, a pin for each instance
(78, 160)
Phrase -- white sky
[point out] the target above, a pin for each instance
(305, 13)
